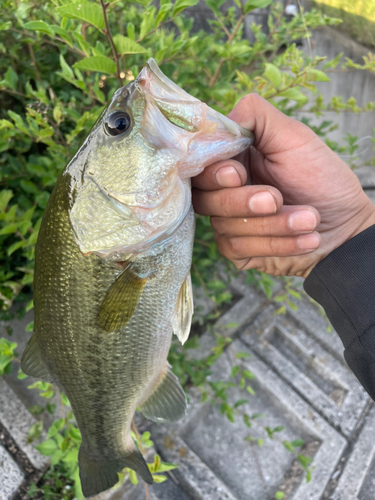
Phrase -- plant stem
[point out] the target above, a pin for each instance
(14, 92)
(58, 39)
(223, 59)
(31, 52)
(107, 33)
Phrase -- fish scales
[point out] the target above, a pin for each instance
(112, 266)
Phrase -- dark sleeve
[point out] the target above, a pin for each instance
(344, 285)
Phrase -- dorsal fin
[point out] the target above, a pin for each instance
(121, 300)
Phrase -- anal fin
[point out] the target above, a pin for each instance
(181, 320)
(32, 362)
(167, 403)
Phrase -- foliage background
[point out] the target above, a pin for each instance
(60, 63)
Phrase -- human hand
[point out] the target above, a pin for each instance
(300, 201)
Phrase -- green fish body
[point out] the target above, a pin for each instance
(112, 269)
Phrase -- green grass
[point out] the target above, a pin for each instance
(358, 18)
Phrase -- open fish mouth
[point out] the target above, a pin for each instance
(202, 133)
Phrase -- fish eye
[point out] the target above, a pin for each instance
(118, 123)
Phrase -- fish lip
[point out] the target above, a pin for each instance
(229, 125)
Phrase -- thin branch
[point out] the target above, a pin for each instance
(31, 52)
(14, 92)
(152, 31)
(223, 59)
(107, 33)
(47, 40)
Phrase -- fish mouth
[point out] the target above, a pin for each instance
(203, 134)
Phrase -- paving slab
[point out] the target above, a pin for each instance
(357, 481)
(205, 443)
(328, 385)
(10, 475)
(311, 318)
(17, 421)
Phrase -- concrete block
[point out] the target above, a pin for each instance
(357, 481)
(211, 451)
(10, 475)
(17, 421)
(328, 385)
(309, 317)
(195, 477)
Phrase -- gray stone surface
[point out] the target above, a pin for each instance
(371, 194)
(10, 475)
(357, 481)
(328, 385)
(17, 421)
(366, 176)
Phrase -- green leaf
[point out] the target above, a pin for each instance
(133, 476)
(241, 355)
(159, 478)
(181, 5)
(240, 402)
(36, 410)
(248, 374)
(234, 371)
(66, 69)
(256, 4)
(56, 427)
(125, 45)
(71, 456)
(11, 78)
(39, 26)
(97, 63)
(294, 94)
(316, 75)
(273, 74)
(279, 495)
(298, 442)
(5, 196)
(21, 375)
(64, 400)
(5, 26)
(84, 11)
(47, 448)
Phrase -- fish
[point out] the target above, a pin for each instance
(112, 267)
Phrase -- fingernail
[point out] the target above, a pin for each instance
(262, 203)
(308, 241)
(228, 177)
(302, 220)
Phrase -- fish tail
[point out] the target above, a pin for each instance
(100, 475)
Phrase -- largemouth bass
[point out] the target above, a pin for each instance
(112, 269)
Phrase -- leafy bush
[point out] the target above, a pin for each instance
(60, 62)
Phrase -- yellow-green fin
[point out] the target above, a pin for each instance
(167, 403)
(181, 320)
(32, 363)
(121, 300)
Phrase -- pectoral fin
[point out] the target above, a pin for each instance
(181, 320)
(32, 363)
(168, 401)
(121, 300)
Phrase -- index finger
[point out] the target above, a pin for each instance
(274, 132)
(219, 175)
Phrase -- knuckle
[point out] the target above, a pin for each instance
(217, 224)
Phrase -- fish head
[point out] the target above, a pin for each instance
(131, 177)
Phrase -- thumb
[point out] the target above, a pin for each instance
(274, 132)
